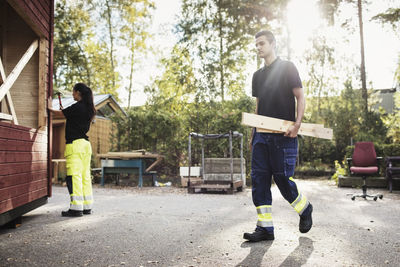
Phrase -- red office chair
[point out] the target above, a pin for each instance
(364, 163)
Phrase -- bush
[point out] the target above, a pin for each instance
(316, 150)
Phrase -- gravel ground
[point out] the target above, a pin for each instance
(168, 227)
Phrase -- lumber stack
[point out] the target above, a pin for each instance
(268, 124)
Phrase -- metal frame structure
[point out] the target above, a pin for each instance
(203, 137)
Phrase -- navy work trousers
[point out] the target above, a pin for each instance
(274, 155)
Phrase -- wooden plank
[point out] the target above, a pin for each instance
(15, 168)
(42, 111)
(9, 101)
(22, 135)
(39, 12)
(21, 178)
(12, 203)
(40, 27)
(127, 155)
(21, 189)
(222, 165)
(222, 177)
(155, 163)
(20, 156)
(268, 123)
(5, 87)
(23, 146)
(45, 5)
(4, 116)
(211, 186)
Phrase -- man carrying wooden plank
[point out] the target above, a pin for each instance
(276, 86)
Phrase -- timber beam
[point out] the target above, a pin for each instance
(268, 124)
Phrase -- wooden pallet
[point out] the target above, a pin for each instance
(215, 186)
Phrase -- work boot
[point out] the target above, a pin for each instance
(72, 213)
(259, 235)
(306, 221)
(86, 212)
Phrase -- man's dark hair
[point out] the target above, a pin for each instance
(270, 36)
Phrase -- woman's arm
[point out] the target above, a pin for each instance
(54, 111)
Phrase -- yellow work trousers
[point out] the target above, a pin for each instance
(79, 182)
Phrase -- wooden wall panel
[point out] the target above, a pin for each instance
(36, 13)
(20, 178)
(99, 136)
(24, 149)
(21, 189)
(24, 92)
(20, 200)
(23, 165)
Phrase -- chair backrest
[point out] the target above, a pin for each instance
(364, 154)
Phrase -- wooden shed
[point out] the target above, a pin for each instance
(99, 133)
(26, 45)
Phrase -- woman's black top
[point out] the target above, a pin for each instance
(78, 122)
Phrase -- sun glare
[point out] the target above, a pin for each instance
(303, 18)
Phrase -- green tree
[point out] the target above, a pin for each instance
(177, 85)
(137, 17)
(330, 7)
(391, 16)
(72, 28)
(78, 55)
(219, 33)
(321, 64)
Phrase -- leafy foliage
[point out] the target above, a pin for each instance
(87, 35)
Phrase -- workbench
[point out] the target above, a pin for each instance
(128, 162)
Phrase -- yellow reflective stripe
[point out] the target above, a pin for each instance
(264, 209)
(300, 204)
(264, 206)
(265, 217)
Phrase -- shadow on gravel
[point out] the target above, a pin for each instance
(300, 254)
(257, 252)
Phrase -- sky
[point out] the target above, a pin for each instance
(382, 45)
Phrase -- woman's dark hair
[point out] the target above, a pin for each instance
(87, 97)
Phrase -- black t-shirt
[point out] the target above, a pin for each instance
(78, 122)
(273, 85)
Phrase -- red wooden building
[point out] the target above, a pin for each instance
(26, 52)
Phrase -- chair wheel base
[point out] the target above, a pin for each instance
(374, 197)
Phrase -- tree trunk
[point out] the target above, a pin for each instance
(109, 22)
(221, 51)
(363, 74)
(131, 75)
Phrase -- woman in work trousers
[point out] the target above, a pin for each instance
(78, 150)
